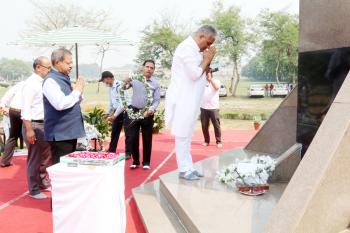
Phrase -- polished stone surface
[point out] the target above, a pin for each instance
(154, 210)
(209, 206)
(321, 74)
(317, 197)
(324, 24)
(278, 134)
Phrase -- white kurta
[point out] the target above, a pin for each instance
(186, 89)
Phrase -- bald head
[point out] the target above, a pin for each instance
(42, 66)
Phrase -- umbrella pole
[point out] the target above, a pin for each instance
(76, 60)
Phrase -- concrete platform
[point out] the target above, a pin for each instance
(175, 205)
(156, 214)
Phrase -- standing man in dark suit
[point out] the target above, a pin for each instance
(63, 122)
(138, 101)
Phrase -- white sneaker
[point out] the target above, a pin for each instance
(219, 145)
(133, 166)
(39, 196)
(146, 167)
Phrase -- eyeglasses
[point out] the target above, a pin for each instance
(48, 68)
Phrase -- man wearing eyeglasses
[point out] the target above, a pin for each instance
(63, 121)
(39, 151)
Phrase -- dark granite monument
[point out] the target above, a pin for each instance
(321, 74)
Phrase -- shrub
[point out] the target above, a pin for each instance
(263, 116)
(98, 118)
(247, 116)
(232, 116)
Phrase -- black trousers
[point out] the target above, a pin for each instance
(117, 126)
(134, 126)
(15, 134)
(61, 148)
(214, 117)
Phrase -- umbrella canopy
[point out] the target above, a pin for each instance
(73, 36)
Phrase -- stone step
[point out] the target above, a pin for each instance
(208, 206)
(156, 215)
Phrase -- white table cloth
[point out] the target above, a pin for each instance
(88, 199)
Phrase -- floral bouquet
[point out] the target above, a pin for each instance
(249, 175)
(91, 133)
(83, 158)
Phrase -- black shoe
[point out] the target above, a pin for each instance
(6, 165)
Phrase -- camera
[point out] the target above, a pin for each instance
(213, 70)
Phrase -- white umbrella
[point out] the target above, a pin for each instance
(73, 36)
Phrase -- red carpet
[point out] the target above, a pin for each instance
(21, 214)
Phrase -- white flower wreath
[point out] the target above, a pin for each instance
(142, 113)
(254, 171)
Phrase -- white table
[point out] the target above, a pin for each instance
(88, 199)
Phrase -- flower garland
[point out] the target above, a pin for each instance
(142, 112)
(250, 172)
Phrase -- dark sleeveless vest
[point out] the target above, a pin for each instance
(66, 124)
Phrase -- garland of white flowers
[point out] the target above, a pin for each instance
(250, 172)
(139, 114)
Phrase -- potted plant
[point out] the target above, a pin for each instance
(158, 121)
(98, 119)
(257, 122)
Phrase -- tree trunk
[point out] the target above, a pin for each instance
(234, 79)
(277, 67)
(103, 51)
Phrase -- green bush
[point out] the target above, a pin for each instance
(232, 116)
(263, 116)
(5, 85)
(247, 116)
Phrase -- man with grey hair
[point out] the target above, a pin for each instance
(188, 79)
(39, 151)
(63, 123)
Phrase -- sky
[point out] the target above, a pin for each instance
(134, 16)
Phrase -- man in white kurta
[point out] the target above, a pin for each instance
(191, 60)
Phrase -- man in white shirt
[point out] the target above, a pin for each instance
(116, 113)
(63, 120)
(210, 110)
(191, 60)
(39, 151)
(11, 105)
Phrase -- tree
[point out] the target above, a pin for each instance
(279, 32)
(14, 69)
(159, 42)
(50, 15)
(234, 37)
